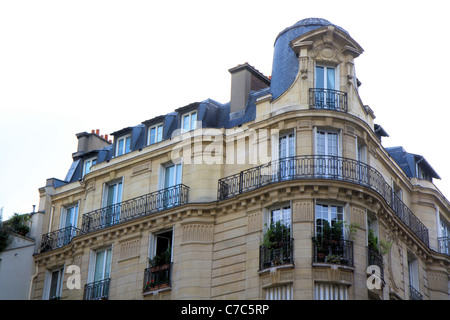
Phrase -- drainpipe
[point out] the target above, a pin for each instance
(51, 219)
(33, 277)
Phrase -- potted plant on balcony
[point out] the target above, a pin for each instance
(18, 223)
(275, 236)
(160, 260)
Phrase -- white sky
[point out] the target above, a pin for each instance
(72, 66)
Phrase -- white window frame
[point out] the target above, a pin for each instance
(63, 216)
(192, 124)
(178, 166)
(124, 149)
(268, 215)
(329, 214)
(118, 198)
(413, 271)
(325, 68)
(327, 132)
(93, 263)
(48, 283)
(87, 161)
(153, 239)
(158, 137)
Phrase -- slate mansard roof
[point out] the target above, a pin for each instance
(411, 163)
(210, 113)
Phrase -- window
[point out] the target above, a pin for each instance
(326, 77)
(54, 284)
(328, 291)
(123, 145)
(328, 215)
(111, 201)
(283, 292)
(155, 134)
(286, 152)
(327, 143)
(326, 83)
(413, 272)
(99, 274)
(189, 121)
(327, 152)
(69, 216)
(282, 214)
(170, 178)
(102, 264)
(88, 163)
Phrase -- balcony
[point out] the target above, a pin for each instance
(156, 278)
(277, 255)
(375, 259)
(98, 290)
(58, 238)
(333, 251)
(328, 99)
(135, 208)
(320, 167)
(414, 294)
(444, 245)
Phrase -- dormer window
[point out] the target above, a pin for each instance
(155, 134)
(189, 121)
(88, 163)
(123, 145)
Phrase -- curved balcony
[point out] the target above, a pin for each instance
(59, 238)
(321, 167)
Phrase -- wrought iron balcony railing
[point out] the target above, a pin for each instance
(59, 238)
(157, 277)
(333, 251)
(374, 258)
(414, 294)
(444, 245)
(277, 255)
(135, 208)
(321, 167)
(98, 290)
(328, 99)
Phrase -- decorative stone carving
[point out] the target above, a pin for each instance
(200, 233)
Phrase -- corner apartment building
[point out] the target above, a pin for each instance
(285, 192)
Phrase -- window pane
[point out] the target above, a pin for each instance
(54, 285)
(120, 147)
(152, 135)
(193, 120)
(99, 266)
(127, 145)
(169, 177)
(160, 134)
(331, 78)
(320, 143)
(108, 264)
(320, 81)
(186, 123)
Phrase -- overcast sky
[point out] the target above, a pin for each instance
(73, 66)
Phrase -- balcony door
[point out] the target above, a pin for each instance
(326, 82)
(286, 153)
(112, 199)
(327, 153)
(69, 217)
(172, 178)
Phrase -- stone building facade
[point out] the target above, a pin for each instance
(285, 192)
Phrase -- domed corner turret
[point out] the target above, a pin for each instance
(320, 54)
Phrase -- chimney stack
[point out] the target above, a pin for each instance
(244, 78)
